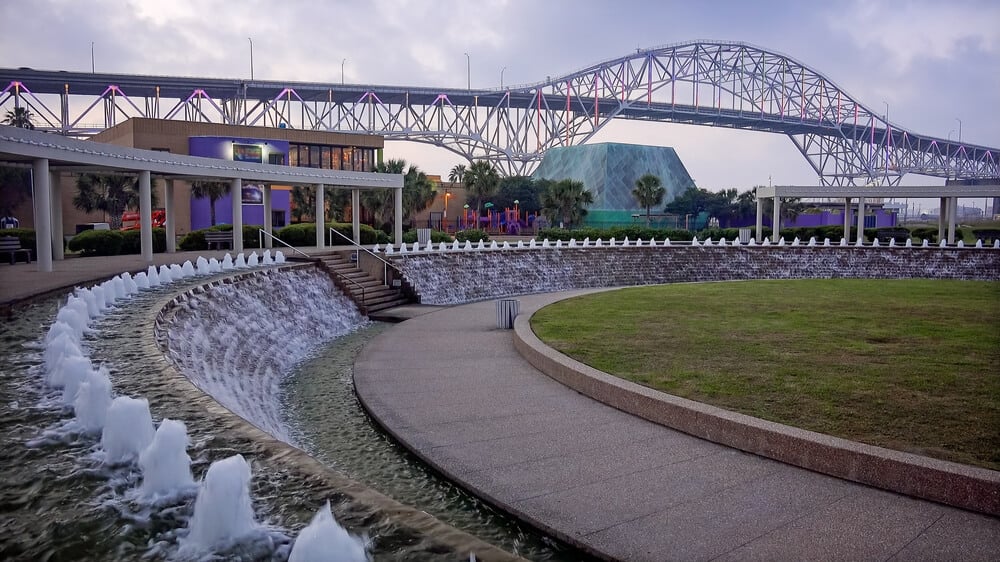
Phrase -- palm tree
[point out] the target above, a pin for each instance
(481, 181)
(213, 190)
(418, 192)
(649, 192)
(110, 194)
(19, 117)
(566, 201)
(457, 173)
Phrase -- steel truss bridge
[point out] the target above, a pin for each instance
(723, 84)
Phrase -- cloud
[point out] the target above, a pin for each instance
(908, 32)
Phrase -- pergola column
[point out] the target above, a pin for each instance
(145, 216)
(320, 217)
(168, 208)
(942, 216)
(268, 219)
(236, 192)
(42, 211)
(952, 218)
(861, 221)
(760, 220)
(397, 227)
(356, 215)
(776, 218)
(57, 218)
(847, 218)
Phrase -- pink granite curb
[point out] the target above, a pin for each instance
(959, 485)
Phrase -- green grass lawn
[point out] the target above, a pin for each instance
(912, 365)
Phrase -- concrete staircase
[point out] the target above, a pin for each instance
(367, 291)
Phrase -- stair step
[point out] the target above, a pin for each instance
(388, 304)
(389, 297)
(371, 295)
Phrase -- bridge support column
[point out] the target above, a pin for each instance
(43, 212)
(760, 221)
(57, 216)
(776, 219)
(320, 216)
(268, 225)
(236, 192)
(861, 221)
(145, 216)
(847, 218)
(397, 219)
(168, 209)
(356, 215)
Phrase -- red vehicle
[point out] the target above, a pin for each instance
(130, 220)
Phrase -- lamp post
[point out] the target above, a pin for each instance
(468, 70)
(251, 57)
(501, 76)
(342, 63)
(959, 129)
(93, 68)
(886, 111)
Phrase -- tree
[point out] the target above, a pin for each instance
(19, 117)
(649, 192)
(481, 181)
(457, 173)
(15, 188)
(566, 201)
(110, 194)
(522, 189)
(418, 192)
(213, 190)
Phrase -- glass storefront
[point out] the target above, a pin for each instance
(331, 157)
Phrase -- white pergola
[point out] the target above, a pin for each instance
(948, 194)
(50, 155)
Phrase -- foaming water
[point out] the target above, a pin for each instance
(238, 341)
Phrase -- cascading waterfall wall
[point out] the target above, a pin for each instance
(236, 341)
(453, 277)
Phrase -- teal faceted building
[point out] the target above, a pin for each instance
(609, 171)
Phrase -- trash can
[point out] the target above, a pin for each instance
(745, 235)
(506, 313)
(423, 237)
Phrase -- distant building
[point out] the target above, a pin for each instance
(610, 170)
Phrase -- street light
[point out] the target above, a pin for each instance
(93, 69)
(886, 110)
(342, 63)
(251, 57)
(501, 76)
(959, 129)
(468, 69)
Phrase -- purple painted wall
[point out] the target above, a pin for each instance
(260, 150)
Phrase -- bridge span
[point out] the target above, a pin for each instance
(718, 84)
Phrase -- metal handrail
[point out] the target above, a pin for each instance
(260, 241)
(385, 264)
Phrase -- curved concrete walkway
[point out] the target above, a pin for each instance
(452, 388)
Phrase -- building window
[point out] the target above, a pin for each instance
(276, 158)
(277, 219)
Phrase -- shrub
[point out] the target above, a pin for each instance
(472, 235)
(97, 243)
(132, 241)
(195, 240)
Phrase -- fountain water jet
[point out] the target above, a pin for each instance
(128, 429)
(222, 511)
(165, 464)
(93, 399)
(324, 540)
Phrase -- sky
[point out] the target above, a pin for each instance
(935, 66)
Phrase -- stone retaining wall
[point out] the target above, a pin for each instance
(454, 277)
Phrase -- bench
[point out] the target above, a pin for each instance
(884, 235)
(12, 245)
(218, 238)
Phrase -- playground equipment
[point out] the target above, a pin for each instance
(130, 220)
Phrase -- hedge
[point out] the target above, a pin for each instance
(97, 243)
(471, 235)
(132, 241)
